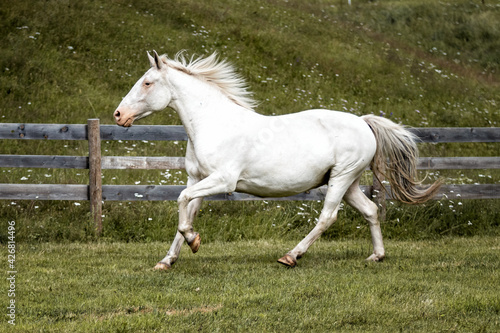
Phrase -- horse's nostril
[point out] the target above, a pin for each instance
(117, 113)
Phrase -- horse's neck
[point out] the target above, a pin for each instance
(197, 103)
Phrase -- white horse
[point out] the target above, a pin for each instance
(231, 148)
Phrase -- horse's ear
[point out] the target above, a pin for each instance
(151, 60)
(158, 62)
(155, 61)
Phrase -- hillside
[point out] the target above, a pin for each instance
(419, 62)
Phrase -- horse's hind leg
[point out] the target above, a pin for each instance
(337, 186)
(357, 199)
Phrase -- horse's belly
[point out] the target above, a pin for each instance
(279, 186)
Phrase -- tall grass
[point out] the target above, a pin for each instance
(421, 62)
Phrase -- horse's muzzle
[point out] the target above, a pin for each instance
(123, 119)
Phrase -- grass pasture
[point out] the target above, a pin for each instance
(419, 62)
(424, 286)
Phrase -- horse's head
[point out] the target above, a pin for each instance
(151, 93)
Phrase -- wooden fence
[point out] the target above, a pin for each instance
(95, 162)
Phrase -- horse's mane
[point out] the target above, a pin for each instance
(217, 72)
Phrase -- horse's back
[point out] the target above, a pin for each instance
(302, 149)
(339, 132)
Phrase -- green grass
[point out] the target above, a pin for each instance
(423, 286)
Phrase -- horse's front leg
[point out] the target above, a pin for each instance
(175, 248)
(213, 184)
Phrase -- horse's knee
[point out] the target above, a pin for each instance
(182, 200)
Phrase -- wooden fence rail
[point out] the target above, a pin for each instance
(95, 192)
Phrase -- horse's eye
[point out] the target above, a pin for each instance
(147, 83)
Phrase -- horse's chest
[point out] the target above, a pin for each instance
(200, 166)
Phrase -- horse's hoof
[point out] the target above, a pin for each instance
(287, 260)
(195, 244)
(375, 257)
(161, 266)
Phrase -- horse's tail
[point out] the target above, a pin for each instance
(396, 158)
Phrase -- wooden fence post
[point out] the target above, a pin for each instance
(378, 195)
(95, 178)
